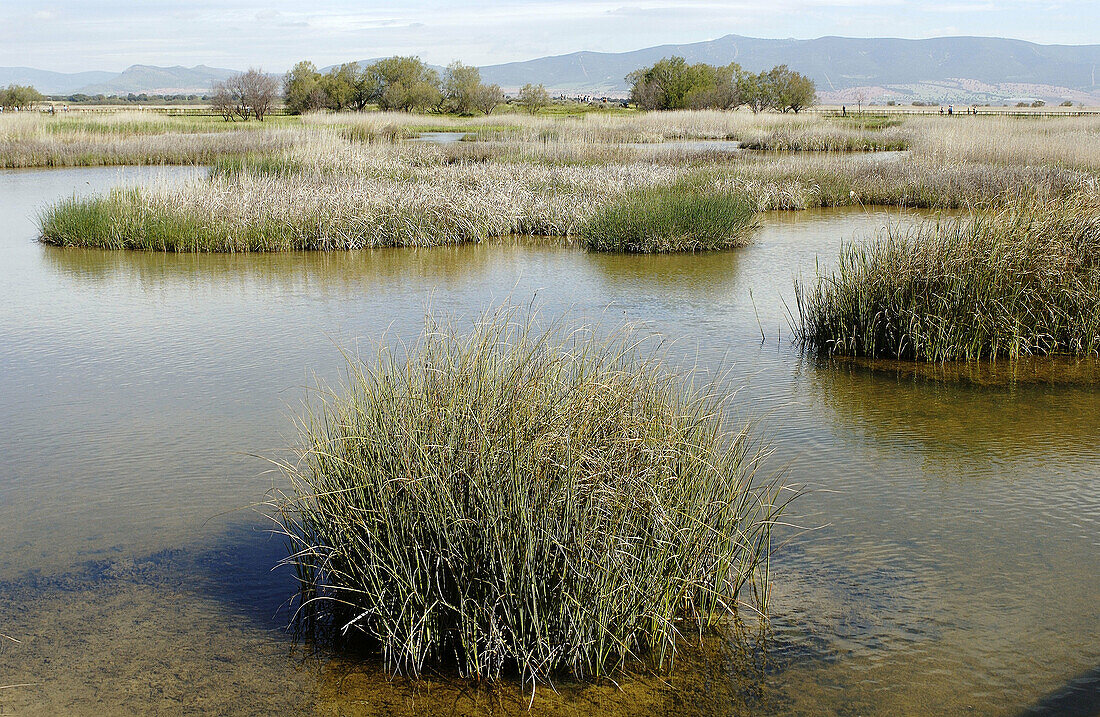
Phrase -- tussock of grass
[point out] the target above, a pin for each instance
(1023, 279)
(276, 165)
(517, 499)
(681, 217)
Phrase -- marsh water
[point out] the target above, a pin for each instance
(954, 564)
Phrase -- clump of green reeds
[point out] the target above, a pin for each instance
(1021, 279)
(685, 216)
(524, 500)
(276, 165)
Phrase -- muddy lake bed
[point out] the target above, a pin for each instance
(953, 566)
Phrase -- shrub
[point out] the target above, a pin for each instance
(525, 499)
(680, 217)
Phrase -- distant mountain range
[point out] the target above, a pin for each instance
(971, 69)
(945, 69)
(51, 82)
(136, 78)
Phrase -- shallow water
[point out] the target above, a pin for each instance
(439, 137)
(955, 566)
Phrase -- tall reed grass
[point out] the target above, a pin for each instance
(765, 131)
(686, 216)
(401, 197)
(331, 194)
(524, 499)
(1068, 142)
(1020, 279)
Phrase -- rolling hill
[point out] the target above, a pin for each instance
(946, 68)
(943, 69)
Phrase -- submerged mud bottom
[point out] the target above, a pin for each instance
(108, 624)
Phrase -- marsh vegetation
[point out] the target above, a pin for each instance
(345, 181)
(526, 498)
(1016, 280)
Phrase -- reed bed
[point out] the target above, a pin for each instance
(686, 216)
(30, 139)
(34, 139)
(313, 188)
(836, 138)
(1067, 142)
(524, 500)
(808, 181)
(765, 131)
(388, 203)
(327, 193)
(1017, 280)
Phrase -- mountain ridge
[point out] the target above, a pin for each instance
(941, 69)
(881, 68)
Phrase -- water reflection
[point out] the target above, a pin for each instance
(714, 273)
(1029, 413)
(335, 273)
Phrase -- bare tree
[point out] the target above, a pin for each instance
(860, 99)
(260, 92)
(249, 94)
(222, 100)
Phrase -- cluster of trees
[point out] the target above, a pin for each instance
(673, 84)
(395, 83)
(19, 97)
(249, 94)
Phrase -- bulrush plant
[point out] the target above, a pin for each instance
(1021, 279)
(524, 500)
(686, 216)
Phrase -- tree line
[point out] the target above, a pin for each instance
(395, 83)
(408, 84)
(19, 96)
(673, 84)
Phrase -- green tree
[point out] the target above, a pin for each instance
(798, 92)
(403, 83)
(753, 90)
(788, 90)
(533, 98)
(302, 89)
(672, 84)
(340, 85)
(19, 97)
(460, 87)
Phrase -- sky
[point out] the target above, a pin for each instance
(111, 35)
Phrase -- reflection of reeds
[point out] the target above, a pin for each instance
(521, 498)
(1022, 279)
